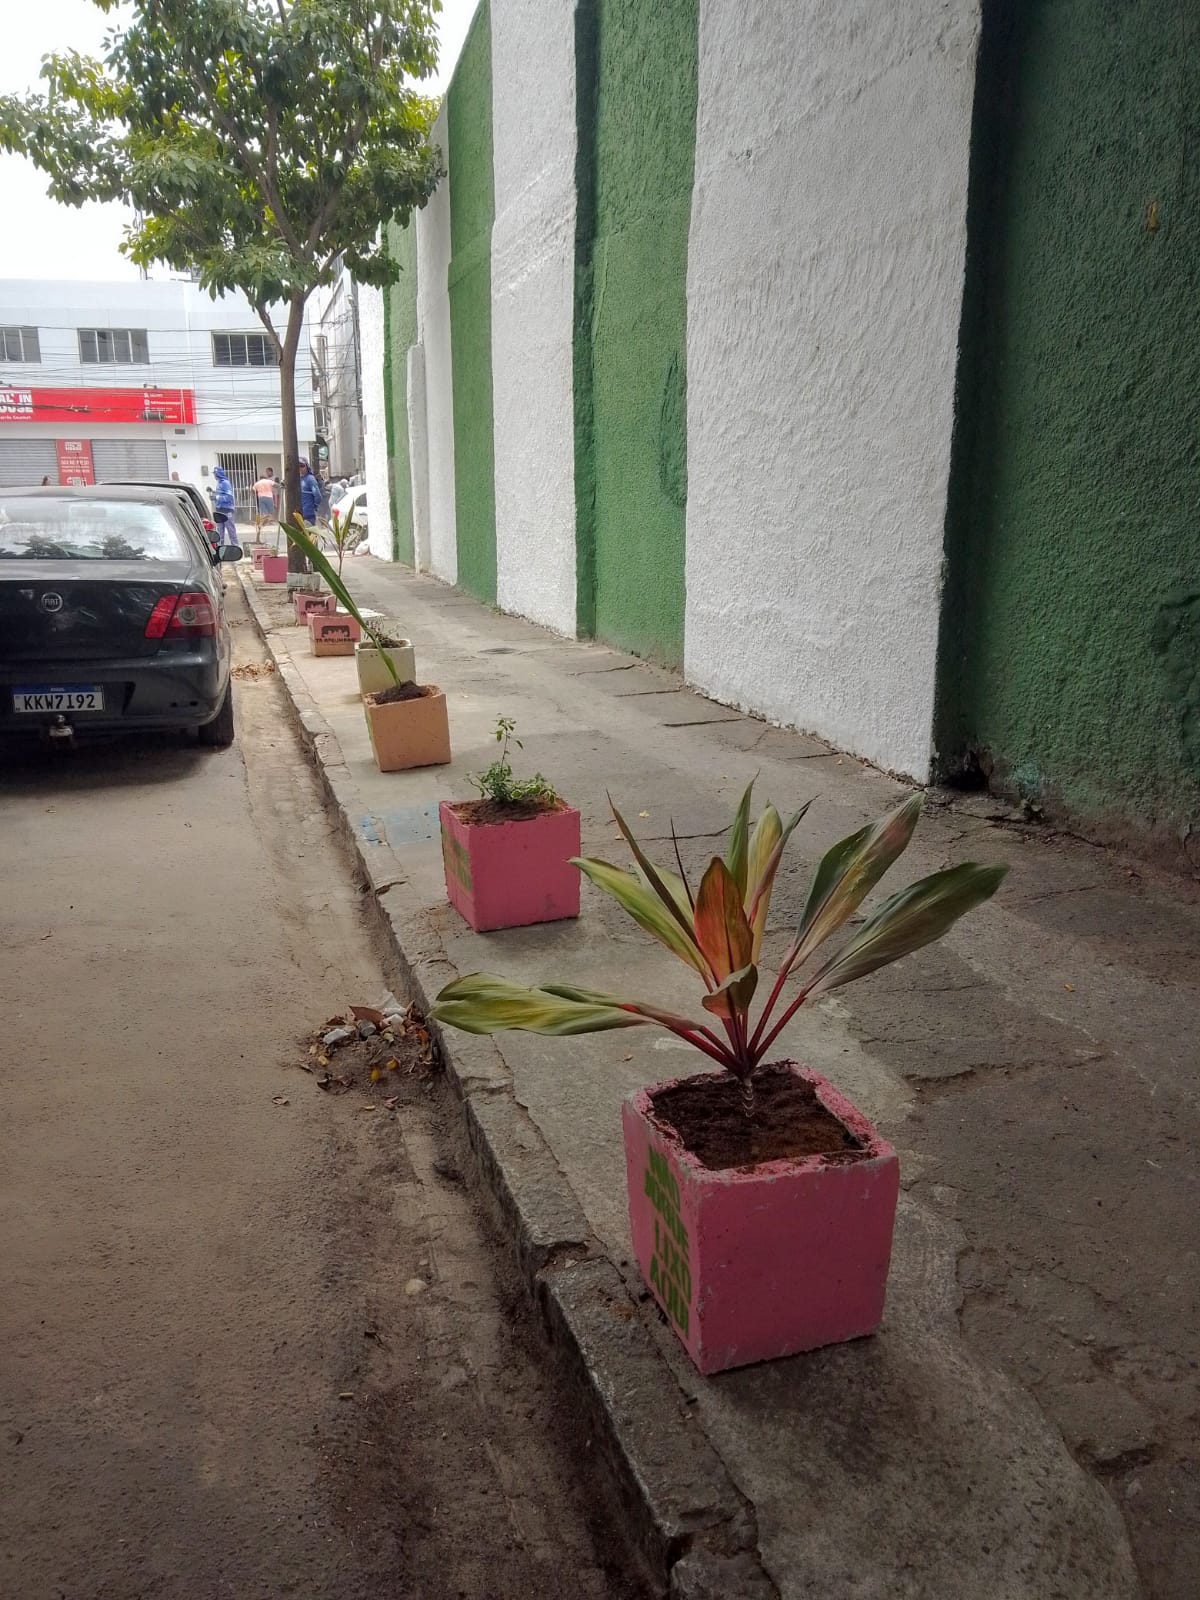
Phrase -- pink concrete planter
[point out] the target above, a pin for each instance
(305, 602)
(511, 874)
(753, 1263)
(332, 633)
(274, 569)
(258, 553)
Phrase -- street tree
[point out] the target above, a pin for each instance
(260, 143)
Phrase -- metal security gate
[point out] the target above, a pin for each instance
(114, 459)
(27, 461)
(242, 470)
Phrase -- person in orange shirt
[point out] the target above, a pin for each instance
(266, 500)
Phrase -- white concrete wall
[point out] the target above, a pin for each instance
(379, 501)
(433, 334)
(825, 279)
(533, 287)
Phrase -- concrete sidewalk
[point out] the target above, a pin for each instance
(1026, 1410)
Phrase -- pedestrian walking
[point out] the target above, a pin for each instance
(310, 495)
(266, 505)
(223, 508)
(323, 506)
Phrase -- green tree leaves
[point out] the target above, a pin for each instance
(259, 142)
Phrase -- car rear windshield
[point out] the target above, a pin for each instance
(87, 530)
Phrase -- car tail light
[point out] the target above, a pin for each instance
(182, 616)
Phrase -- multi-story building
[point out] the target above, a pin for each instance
(337, 371)
(139, 380)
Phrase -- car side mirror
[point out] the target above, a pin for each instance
(230, 552)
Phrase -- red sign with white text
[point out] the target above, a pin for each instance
(74, 461)
(82, 406)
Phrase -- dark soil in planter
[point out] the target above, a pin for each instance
(481, 813)
(385, 642)
(400, 691)
(789, 1121)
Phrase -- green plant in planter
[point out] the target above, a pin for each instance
(341, 531)
(319, 561)
(498, 783)
(718, 932)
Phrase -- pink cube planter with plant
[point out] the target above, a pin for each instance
(274, 569)
(761, 1202)
(305, 601)
(332, 633)
(708, 1240)
(509, 857)
(509, 874)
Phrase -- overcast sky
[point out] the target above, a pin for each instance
(52, 241)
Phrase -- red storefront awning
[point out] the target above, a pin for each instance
(80, 406)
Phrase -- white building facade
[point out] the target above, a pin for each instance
(139, 380)
(337, 373)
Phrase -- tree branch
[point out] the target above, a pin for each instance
(331, 199)
(253, 166)
(264, 316)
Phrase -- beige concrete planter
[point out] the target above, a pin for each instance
(409, 733)
(373, 675)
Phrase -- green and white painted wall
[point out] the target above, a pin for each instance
(843, 357)
(1071, 615)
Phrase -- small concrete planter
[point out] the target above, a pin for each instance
(511, 874)
(373, 675)
(303, 582)
(304, 602)
(332, 633)
(751, 1263)
(274, 569)
(409, 733)
(259, 553)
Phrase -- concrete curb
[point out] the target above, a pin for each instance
(691, 1524)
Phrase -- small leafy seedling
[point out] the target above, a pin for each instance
(498, 783)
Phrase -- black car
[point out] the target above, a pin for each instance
(112, 615)
(190, 493)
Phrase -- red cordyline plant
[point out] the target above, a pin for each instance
(718, 932)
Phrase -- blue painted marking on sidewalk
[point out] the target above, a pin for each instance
(411, 824)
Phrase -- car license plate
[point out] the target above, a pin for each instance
(59, 697)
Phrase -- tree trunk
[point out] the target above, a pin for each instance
(291, 442)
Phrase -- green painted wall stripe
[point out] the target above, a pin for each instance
(586, 86)
(1069, 668)
(472, 210)
(636, 105)
(400, 334)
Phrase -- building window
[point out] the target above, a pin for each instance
(108, 347)
(243, 350)
(19, 344)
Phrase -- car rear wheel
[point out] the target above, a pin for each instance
(219, 732)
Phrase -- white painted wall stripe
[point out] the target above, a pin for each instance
(433, 332)
(533, 267)
(370, 333)
(418, 452)
(825, 280)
